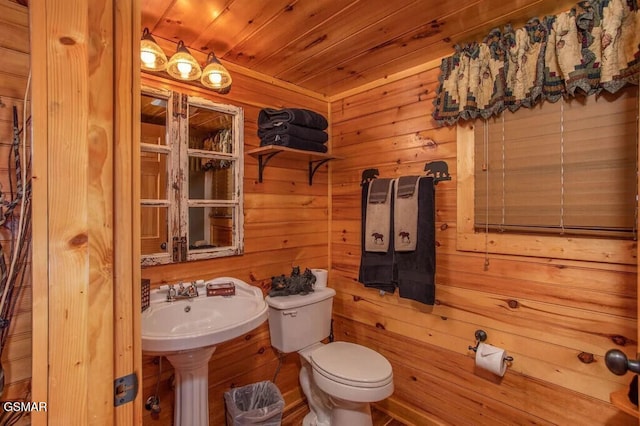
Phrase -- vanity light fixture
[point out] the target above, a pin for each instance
(215, 75)
(152, 58)
(182, 65)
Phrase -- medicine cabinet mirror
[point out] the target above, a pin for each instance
(191, 178)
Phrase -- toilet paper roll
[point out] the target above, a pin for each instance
(321, 277)
(491, 358)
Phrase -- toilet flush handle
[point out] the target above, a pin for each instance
(292, 313)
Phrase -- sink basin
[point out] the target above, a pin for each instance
(186, 332)
(202, 321)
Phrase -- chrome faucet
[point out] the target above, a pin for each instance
(187, 291)
(182, 292)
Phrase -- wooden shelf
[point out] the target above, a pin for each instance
(266, 153)
(620, 400)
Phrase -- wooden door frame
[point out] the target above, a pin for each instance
(86, 273)
(638, 258)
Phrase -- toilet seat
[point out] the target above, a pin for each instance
(351, 373)
(352, 365)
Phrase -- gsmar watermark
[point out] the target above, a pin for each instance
(22, 406)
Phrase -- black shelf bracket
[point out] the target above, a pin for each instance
(263, 160)
(262, 163)
(266, 153)
(314, 166)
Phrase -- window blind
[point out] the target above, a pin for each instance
(568, 167)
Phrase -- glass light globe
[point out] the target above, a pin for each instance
(215, 75)
(182, 65)
(148, 58)
(185, 69)
(152, 58)
(215, 78)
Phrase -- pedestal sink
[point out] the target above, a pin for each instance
(186, 332)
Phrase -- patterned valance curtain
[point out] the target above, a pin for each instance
(593, 47)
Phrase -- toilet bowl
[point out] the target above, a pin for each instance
(339, 379)
(352, 372)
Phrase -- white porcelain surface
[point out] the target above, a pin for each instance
(203, 321)
(352, 393)
(187, 331)
(352, 364)
(352, 372)
(298, 321)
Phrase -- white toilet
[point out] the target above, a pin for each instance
(339, 379)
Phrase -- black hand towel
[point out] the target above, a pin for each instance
(267, 117)
(377, 269)
(416, 269)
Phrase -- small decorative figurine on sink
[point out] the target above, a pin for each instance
(295, 284)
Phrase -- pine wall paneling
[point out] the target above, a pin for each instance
(285, 224)
(14, 71)
(85, 287)
(545, 312)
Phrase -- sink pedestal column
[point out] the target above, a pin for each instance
(192, 386)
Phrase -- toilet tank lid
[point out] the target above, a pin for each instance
(298, 300)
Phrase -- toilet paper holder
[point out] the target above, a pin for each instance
(481, 336)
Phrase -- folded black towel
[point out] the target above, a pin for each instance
(284, 128)
(293, 142)
(302, 117)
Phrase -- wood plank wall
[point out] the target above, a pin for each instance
(545, 312)
(560, 306)
(285, 224)
(14, 71)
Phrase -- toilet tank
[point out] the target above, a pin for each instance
(298, 321)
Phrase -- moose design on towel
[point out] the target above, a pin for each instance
(405, 236)
(378, 238)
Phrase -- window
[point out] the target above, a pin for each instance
(191, 178)
(558, 180)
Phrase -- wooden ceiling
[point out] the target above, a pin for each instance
(332, 46)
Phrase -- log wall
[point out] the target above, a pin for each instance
(548, 313)
(545, 312)
(285, 225)
(14, 71)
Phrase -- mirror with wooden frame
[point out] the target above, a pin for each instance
(191, 178)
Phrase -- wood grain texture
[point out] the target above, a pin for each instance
(75, 87)
(333, 46)
(546, 312)
(126, 210)
(285, 225)
(14, 69)
(68, 238)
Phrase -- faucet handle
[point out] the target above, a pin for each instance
(171, 292)
(192, 290)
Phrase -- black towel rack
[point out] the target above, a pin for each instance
(439, 170)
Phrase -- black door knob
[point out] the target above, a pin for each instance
(618, 363)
